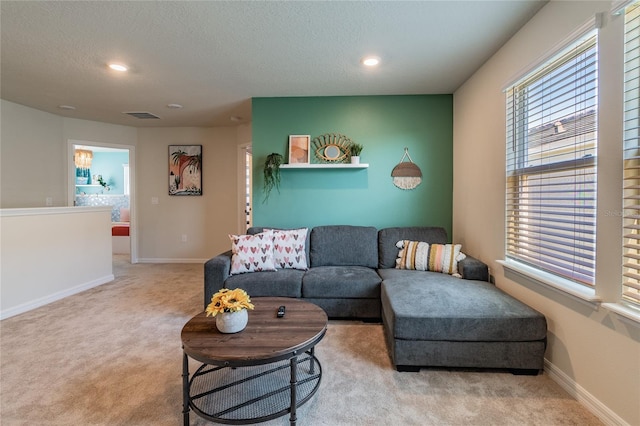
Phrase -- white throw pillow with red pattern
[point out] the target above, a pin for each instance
(252, 253)
(289, 248)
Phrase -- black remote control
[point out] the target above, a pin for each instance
(280, 313)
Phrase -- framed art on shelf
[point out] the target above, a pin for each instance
(299, 149)
(185, 169)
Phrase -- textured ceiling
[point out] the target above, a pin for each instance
(213, 57)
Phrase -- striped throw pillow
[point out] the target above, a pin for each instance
(423, 256)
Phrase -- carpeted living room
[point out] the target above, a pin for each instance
(111, 356)
(374, 114)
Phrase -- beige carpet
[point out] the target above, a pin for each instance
(112, 356)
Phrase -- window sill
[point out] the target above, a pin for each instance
(553, 282)
(626, 314)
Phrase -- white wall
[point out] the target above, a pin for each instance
(32, 165)
(51, 253)
(94, 131)
(39, 139)
(594, 354)
(205, 220)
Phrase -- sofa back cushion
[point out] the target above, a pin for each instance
(344, 245)
(388, 237)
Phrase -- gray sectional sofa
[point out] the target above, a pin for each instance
(430, 319)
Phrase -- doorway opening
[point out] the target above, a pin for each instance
(103, 175)
(245, 180)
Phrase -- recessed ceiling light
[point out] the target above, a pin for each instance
(67, 107)
(118, 67)
(174, 106)
(370, 61)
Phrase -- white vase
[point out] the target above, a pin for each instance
(232, 322)
(355, 159)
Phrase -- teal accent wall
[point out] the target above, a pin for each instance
(385, 125)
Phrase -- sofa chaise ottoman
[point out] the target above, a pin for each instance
(436, 320)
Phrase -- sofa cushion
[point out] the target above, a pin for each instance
(432, 306)
(473, 269)
(252, 253)
(388, 237)
(348, 282)
(343, 245)
(282, 283)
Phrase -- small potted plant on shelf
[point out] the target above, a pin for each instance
(354, 150)
(272, 174)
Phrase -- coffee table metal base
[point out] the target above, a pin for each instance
(245, 395)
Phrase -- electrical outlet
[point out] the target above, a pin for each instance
(48, 201)
(184, 238)
(154, 200)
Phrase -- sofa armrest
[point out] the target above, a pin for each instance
(216, 272)
(473, 269)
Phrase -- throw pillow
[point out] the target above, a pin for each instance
(252, 253)
(423, 256)
(124, 215)
(289, 248)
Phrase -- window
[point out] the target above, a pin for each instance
(551, 165)
(631, 244)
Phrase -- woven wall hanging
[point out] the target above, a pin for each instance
(406, 175)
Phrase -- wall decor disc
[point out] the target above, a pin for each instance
(406, 174)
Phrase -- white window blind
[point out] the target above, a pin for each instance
(551, 165)
(631, 263)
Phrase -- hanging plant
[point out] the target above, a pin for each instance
(272, 174)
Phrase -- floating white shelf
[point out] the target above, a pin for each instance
(325, 166)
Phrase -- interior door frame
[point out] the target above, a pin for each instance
(242, 193)
(71, 185)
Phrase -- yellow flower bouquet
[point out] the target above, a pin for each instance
(226, 300)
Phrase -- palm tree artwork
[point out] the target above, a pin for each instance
(185, 170)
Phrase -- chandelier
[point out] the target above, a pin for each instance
(82, 158)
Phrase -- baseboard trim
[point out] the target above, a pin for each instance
(28, 306)
(168, 260)
(590, 402)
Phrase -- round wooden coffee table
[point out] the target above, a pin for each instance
(265, 371)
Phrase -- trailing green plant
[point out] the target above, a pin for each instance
(103, 183)
(355, 149)
(272, 174)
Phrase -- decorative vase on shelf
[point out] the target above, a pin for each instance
(355, 159)
(232, 322)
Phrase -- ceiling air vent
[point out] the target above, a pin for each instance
(142, 115)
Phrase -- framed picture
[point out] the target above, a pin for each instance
(185, 169)
(299, 149)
